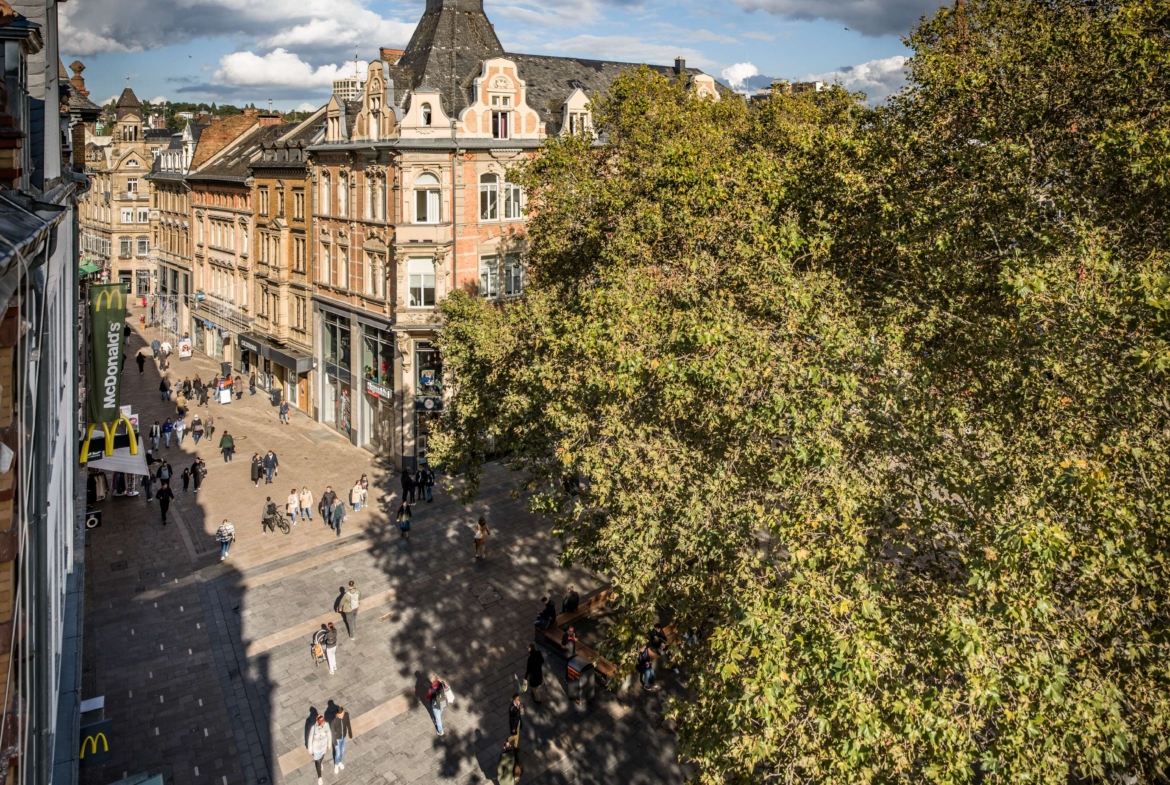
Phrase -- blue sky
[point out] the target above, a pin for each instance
(239, 51)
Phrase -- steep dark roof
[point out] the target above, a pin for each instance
(447, 51)
(128, 103)
(158, 134)
(551, 80)
(233, 162)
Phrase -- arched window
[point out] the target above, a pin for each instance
(489, 197)
(426, 114)
(426, 199)
(343, 194)
(326, 195)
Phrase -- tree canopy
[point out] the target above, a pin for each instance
(875, 398)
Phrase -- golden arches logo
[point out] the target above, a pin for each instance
(109, 429)
(112, 298)
(92, 741)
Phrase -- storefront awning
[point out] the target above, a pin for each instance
(299, 362)
(87, 269)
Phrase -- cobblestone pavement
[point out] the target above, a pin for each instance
(205, 665)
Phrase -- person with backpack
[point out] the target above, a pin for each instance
(268, 519)
(328, 642)
(437, 699)
(404, 520)
(196, 428)
(349, 608)
(342, 731)
(225, 535)
(227, 446)
(320, 742)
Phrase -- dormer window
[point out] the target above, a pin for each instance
(426, 114)
(578, 123)
(500, 125)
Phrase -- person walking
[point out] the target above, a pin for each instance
(140, 358)
(349, 608)
(186, 475)
(197, 388)
(257, 470)
(164, 472)
(209, 423)
(284, 412)
(515, 717)
(320, 742)
(407, 486)
(480, 538)
(329, 644)
(227, 446)
(268, 517)
(238, 387)
(306, 499)
(198, 472)
(429, 484)
(645, 667)
(357, 496)
(437, 700)
(404, 520)
(167, 429)
(196, 428)
(164, 497)
(181, 405)
(270, 463)
(155, 433)
(252, 383)
(419, 484)
(534, 673)
(328, 499)
(338, 518)
(225, 535)
(342, 731)
(180, 430)
(164, 389)
(508, 768)
(187, 386)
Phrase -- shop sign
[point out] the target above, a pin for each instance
(378, 391)
(428, 403)
(185, 348)
(249, 345)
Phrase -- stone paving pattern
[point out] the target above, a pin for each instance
(206, 668)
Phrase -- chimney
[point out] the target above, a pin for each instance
(78, 81)
(269, 118)
(250, 111)
(390, 55)
(680, 65)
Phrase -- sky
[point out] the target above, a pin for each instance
(289, 51)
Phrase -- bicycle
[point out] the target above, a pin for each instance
(276, 522)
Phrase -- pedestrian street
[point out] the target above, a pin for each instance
(206, 665)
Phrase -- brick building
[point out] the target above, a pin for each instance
(413, 200)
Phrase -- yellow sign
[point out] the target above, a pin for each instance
(109, 429)
(112, 298)
(92, 741)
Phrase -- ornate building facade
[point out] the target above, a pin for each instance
(413, 201)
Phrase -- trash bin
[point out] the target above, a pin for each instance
(582, 681)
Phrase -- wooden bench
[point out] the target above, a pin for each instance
(554, 633)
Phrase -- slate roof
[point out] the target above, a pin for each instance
(158, 134)
(128, 103)
(446, 52)
(237, 156)
(551, 80)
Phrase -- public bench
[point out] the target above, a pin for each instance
(553, 634)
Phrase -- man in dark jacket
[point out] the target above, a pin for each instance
(547, 614)
(571, 602)
(270, 464)
(342, 731)
(534, 672)
(227, 445)
(164, 497)
(164, 389)
(407, 487)
(515, 713)
(328, 499)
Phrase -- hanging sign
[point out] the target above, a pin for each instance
(107, 318)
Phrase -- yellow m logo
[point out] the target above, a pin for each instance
(92, 741)
(109, 428)
(112, 298)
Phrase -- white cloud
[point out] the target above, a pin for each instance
(759, 35)
(625, 48)
(160, 99)
(868, 17)
(739, 73)
(279, 68)
(307, 107)
(878, 79)
(110, 100)
(702, 34)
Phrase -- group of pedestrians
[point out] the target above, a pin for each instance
(159, 470)
(329, 737)
(266, 466)
(417, 485)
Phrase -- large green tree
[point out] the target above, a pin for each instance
(874, 398)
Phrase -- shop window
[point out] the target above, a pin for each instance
(378, 356)
(337, 340)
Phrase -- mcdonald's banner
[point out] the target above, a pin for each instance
(95, 742)
(107, 318)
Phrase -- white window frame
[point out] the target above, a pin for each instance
(127, 215)
(142, 245)
(489, 197)
(421, 281)
(143, 215)
(513, 275)
(428, 207)
(489, 277)
(513, 202)
(501, 125)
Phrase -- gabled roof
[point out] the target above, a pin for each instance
(233, 161)
(218, 135)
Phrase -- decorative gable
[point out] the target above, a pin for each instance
(336, 128)
(425, 117)
(500, 107)
(376, 119)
